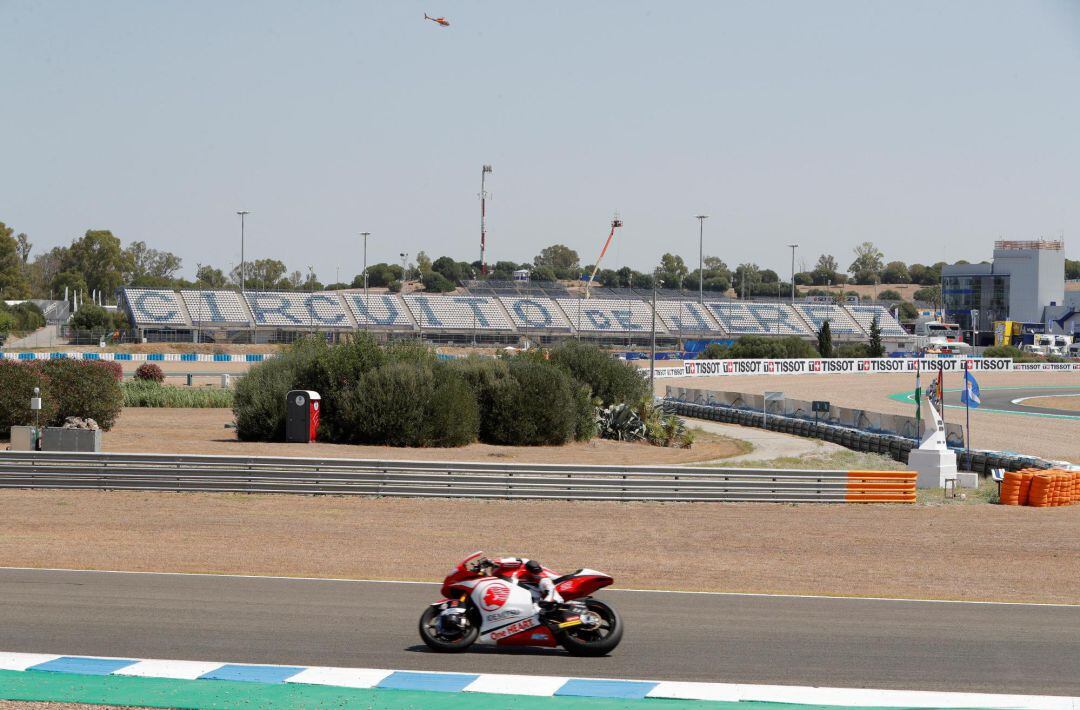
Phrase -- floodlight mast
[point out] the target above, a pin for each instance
(483, 217)
(615, 223)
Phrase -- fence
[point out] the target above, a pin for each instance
(164, 472)
(896, 447)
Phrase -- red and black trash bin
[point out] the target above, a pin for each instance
(301, 416)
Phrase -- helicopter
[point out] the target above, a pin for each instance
(442, 21)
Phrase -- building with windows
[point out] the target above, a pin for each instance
(1024, 280)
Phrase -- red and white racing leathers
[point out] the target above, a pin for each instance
(512, 569)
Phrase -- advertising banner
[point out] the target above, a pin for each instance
(828, 366)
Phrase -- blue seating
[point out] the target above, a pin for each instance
(686, 317)
(148, 307)
(864, 316)
(298, 310)
(216, 307)
(457, 312)
(840, 323)
(535, 312)
(379, 310)
(609, 315)
(758, 318)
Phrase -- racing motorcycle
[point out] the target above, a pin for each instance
(479, 608)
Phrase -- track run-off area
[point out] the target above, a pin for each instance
(725, 638)
(1012, 400)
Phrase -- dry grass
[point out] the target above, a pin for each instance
(938, 551)
(202, 431)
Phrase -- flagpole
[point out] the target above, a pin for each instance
(941, 401)
(918, 402)
(967, 409)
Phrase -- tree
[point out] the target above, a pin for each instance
(149, 267)
(561, 258)
(825, 271)
(889, 295)
(24, 247)
(99, 258)
(435, 282)
(13, 282)
(908, 311)
(929, 294)
(209, 277)
(543, 273)
(91, 317)
(423, 263)
(868, 264)
(453, 271)
(876, 348)
(672, 270)
(260, 274)
(824, 340)
(747, 276)
(896, 272)
(1072, 269)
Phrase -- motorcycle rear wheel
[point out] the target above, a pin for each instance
(579, 641)
(430, 634)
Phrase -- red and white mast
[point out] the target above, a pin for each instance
(483, 216)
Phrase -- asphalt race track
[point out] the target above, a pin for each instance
(669, 636)
(1001, 399)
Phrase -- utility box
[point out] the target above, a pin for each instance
(24, 438)
(302, 416)
(56, 438)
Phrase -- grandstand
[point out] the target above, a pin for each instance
(496, 316)
(840, 323)
(740, 318)
(864, 316)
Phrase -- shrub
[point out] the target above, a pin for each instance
(17, 383)
(714, 351)
(758, 346)
(259, 400)
(849, 350)
(612, 381)
(889, 295)
(149, 372)
(114, 368)
(482, 376)
(413, 404)
(534, 406)
(91, 317)
(84, 388)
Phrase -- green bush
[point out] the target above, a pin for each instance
(412, 404)
(482, 375)
(259, 400)
(850, 350)
(1004, 351)
(611, 381)
(147, 393)
(534, 406)
(84, 388)
(17, 383)
(759, 346)
(714, 351)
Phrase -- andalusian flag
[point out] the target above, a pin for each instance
(918, 400)
(970, 395)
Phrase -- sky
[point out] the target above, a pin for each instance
(930, 128)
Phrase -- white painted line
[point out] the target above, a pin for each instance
(341, 677)
(516, 684)
(180, 670)
(723, 692)
(764, 595)
(1018, 400)
(22, 661)
(860, 697)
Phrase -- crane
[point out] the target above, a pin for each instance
(616, 222)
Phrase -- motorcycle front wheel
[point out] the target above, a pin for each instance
(442, 640)
(594, 640)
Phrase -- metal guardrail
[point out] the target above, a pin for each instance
(257, 474)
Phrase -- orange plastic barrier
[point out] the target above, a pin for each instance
(880, 487)
(1044, 489)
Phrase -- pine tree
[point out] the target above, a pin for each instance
(824, 340)
(876, 348)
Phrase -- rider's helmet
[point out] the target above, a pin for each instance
(534, 567)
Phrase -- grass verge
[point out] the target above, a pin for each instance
(139, 393)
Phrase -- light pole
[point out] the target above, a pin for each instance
(243, 266)
(701, 258)
(365, 235)
(483, 216)
(793, 248)
(404, 269)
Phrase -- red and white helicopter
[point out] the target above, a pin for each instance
(442, 21)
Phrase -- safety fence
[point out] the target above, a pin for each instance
(195, 473)
(1041, 489)
(896, 447)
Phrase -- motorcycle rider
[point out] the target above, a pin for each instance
(527, 574)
